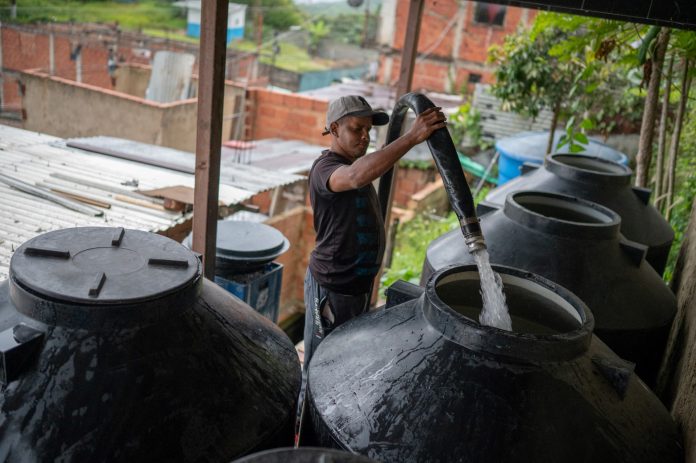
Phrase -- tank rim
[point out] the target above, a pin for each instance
(621, 176)
(607, 225)
(525, 347)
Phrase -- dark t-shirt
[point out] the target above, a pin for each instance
(350, 230)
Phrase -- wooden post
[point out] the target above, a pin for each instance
(410, 50)
(211, 86)
(408, 63)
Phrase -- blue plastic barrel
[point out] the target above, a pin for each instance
(531, 147)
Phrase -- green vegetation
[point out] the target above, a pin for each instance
(685, 192)
(337, 9)
(602, 76)
(290, 58)
(412, 240)
(157, 14)
(278, 15)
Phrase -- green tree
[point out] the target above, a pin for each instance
(278, 15)
(529, 78)
(317, 31)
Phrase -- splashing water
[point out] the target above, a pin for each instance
(495, 311)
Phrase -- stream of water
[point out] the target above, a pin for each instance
(495, 311)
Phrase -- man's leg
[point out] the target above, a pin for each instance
(314, 298)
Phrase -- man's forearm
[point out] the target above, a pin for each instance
(368, 168)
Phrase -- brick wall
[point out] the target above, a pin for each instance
(282, 115)
(451, 46)
(29, 47)
(298, 228)
(409, 181)
(23, 49)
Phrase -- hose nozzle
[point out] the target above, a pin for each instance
(472, 234)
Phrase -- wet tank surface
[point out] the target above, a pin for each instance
(304, 455)
(577, 244)
(423, 381)
(117, 349)
(603, 182)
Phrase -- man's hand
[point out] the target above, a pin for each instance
(426, 123)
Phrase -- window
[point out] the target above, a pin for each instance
(474, 78)
(488, 13)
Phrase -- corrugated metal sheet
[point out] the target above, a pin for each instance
(497, 124)
(47, 162)
(378, 95)
(253, 178)
(272, 154)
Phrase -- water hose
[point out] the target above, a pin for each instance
(447, 162)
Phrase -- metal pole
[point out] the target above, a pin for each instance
(211, 86)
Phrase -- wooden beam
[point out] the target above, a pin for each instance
(408, 63)
(410, 50)
(211, 87)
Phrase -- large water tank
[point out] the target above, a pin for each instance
(531, 147)
(115, 348)
(603, 182)
(304, 455)
(577, 244)
(424, 382)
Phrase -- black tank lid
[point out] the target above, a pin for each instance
(103, 266)
(249, 241)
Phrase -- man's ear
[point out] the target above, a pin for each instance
(334, 129)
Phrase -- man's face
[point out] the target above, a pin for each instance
(352, 135)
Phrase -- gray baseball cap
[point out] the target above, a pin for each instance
(353, 105)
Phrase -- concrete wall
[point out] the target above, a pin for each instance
(677, 382)
(132, 79)
(67, 109)
(451, 45)
(51, 49)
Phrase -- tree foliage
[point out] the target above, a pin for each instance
(278, 15)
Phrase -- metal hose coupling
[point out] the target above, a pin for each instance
(473, 237)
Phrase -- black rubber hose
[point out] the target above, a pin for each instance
(447, 162)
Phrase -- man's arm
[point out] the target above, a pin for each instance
(368, 168)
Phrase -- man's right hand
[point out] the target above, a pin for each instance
(426, 123)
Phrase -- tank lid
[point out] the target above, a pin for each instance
(588, 169)
(249, 241)
(100, 265)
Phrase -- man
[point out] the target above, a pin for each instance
(347, 220)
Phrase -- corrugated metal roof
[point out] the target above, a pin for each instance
(48, 163)
(253, 178)
(378, 95)
(497, 124)
(286, 156)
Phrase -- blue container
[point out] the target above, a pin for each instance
(261, 289)
(531, 147)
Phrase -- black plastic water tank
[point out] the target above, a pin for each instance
(244, 247)
(423, 381)
(577, 244)
(304, 455)
(603, 182)
(115, 348)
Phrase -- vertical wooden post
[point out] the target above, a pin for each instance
(211, 86)
(410, 50)
(408, 63)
